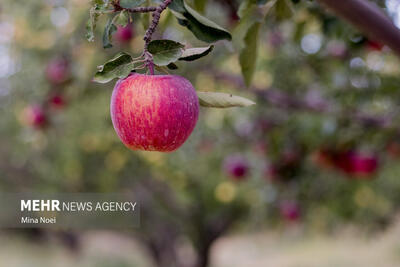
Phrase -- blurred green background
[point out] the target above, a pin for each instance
(312, 169)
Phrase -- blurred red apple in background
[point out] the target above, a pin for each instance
(35, 116)
(57, 101)
(357, 164)
(374, 45)
(236, 166)
(290, 211)
(124, 34)
(154, 112)
(57, 71)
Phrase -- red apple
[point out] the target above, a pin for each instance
(57, 71)
(289, 211)
(57, 101)
(154, 112)
(36, 116)
(374, 45)
(357, 164)
(124, 34)
(236, 166)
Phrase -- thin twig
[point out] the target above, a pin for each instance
(149, 33)
(140, 9)
(148, 57)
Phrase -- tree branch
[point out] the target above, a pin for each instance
(369, 19)
(149, 33)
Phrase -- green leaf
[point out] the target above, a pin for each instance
(200, 5)
(248, 56)
(249, 13)
(165, 51)
(131, 3)
(91, 24)
(108, 32)
(122, 18)
(222, 100)
(283, 9)
(177, 6)
(203, 28)
(191, 54)
(118, 67)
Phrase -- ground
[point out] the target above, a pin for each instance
(284, 248)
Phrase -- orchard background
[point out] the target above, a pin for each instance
(317, 154)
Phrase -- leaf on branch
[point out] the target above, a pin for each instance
(252, 14)
(222, 100)
(177, 6)
(283, 9)
(191, 54)
(165, 51)
(248, 55)
(131, 3)
(91, 24)
(203, 28)
(122, 18)
(99, 7)
(118, 67)
(108, 32)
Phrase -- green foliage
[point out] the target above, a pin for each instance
(222, 100)
(109, 30)
(248, 55)
(203, 28)
(131, 3)
(246, 36)
(91, 24)
(123, 18)
(191, 54)
(99, 7)
(118, 67)
(165, 51)
(283, 9)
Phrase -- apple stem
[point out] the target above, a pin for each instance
(151, 68)
(156, 14)
(149, 33)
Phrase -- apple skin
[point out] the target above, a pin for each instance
(236, 166)
(154, 112)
